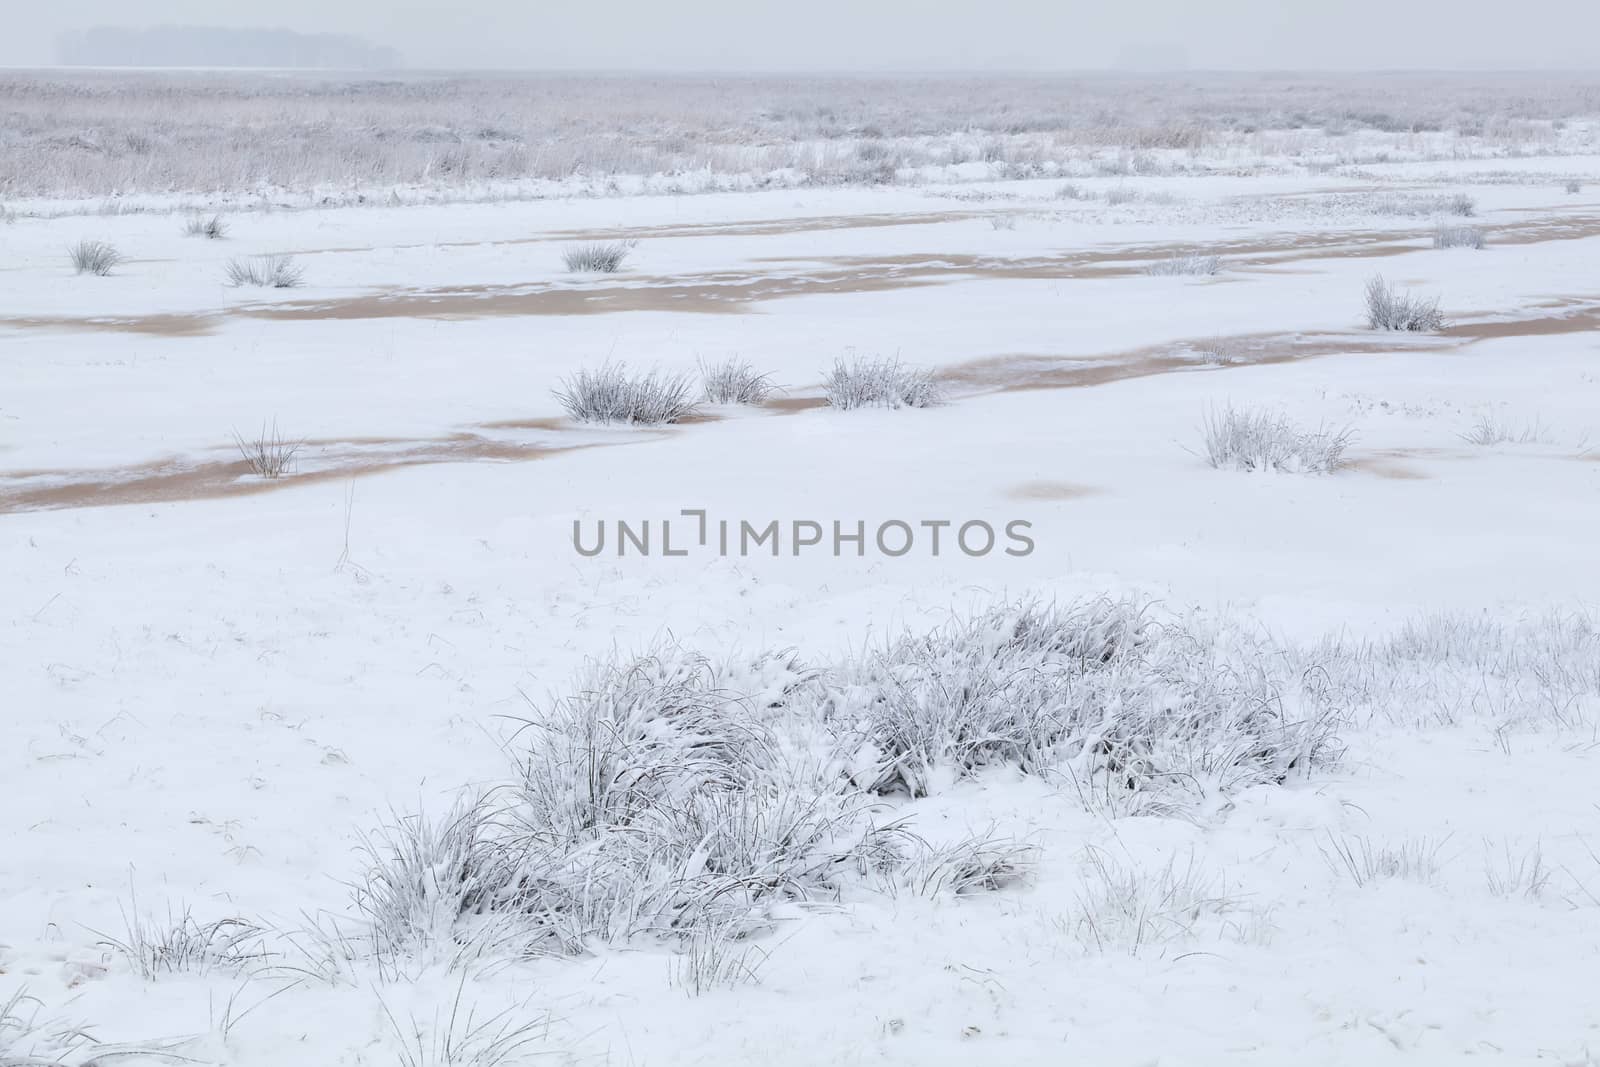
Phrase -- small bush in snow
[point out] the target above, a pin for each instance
(1462, 204)
(611, 394)
(1574, 186)
(1262, 441)
(1071, 191)
(1389, 310)
(213, 228)
(1447, 235)
(269, 454)
(94, 257)
(1194, 264)
(1002, 222)
(598, 257)
(733, 381)
(879, 382)
(265, 272)
(1120, 195)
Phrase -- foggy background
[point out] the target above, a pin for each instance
(833, 35)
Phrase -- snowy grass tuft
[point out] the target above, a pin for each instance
(1512, 874)
(1193, 264)
(1442, 670)
(94, 257)
(1094, 690)
(1491, 430)
(716, 955)
(1389, 310)
(879, 382)
(1264, 441)
(211, 228)
(269, 454)
(611, 395)
(457, 1037)
(1127, 908)
(669, 798)
(1453, 235)
(182, 945)
(26, 1039)
(1357, 858)
(597, 257)
(1413, 206)
(1574, 186)
(733, 381)
(265, 272)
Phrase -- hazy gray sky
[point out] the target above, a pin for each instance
(880, 34)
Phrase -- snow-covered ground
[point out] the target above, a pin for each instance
(215, 685)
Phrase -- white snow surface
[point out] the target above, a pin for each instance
(207, 697)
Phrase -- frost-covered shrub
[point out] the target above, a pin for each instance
(733, 381)
(879, 382)
(94, 257)
(1267, 441)
(1095, 688)
(597, 257)
(611, 394)
(1193, 264)
(1389, 310)
(650, 801)
(1446, 235)
(265, 272)
(667, 796)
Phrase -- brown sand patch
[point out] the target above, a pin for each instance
(1385, 468)
(188, 479)
(726, 292)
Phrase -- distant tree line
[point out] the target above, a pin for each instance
(210, 46)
